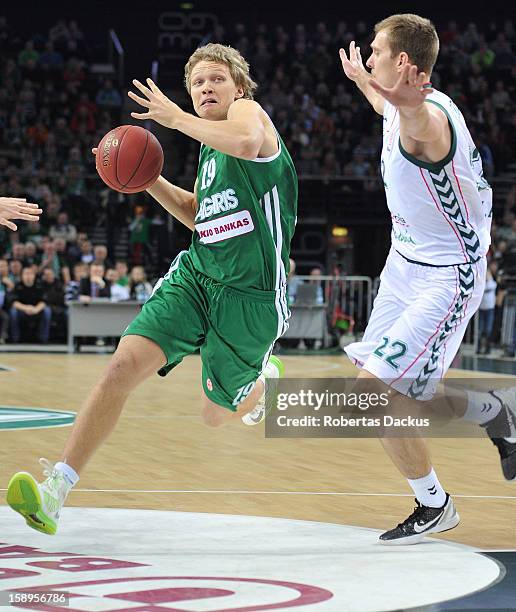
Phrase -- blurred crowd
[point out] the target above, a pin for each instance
(53, 110)
(330, 129)
(36, 285)
(54, 107)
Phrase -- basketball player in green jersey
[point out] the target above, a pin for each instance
(226, 295)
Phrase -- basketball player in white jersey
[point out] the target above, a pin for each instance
(17, 208)
(434, 277)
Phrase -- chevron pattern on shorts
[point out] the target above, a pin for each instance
(466, 288)
(451, 208)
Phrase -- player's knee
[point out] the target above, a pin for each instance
(211, 418)
(121, 371)
(211, 414)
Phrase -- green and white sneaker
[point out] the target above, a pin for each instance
(39, 503)
(273, 371)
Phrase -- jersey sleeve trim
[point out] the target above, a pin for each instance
(434, 166)
(264, 160)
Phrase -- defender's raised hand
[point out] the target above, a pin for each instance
(160, 108)
(354, 66)
(410, 90)
(17, 208)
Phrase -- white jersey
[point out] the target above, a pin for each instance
(441, 212)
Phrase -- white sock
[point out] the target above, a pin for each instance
(68, 472)
(264, 381)
(428, 490)
(482, 407)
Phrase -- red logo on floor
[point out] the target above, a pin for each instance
(165, 590)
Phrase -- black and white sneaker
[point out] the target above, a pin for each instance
(422, 522)
(502, 430)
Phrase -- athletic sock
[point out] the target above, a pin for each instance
(428, 490)
(482, 407)
(68, 472)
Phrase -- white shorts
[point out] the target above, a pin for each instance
(418, 322)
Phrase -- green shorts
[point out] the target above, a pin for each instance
(235, 330)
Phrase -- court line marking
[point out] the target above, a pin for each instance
(243, 492)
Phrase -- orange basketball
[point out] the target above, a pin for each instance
(129, 159)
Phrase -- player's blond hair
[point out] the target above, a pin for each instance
(238, 67)
(414, 35)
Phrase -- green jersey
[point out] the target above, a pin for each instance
(245, 219)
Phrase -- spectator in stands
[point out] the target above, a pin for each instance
(28, 307)
(499, 253)
(87, 255)
(73, 183)
(84, 114)
(74, 74)
(308, 163)
(293, 282)
(509, 234)
(100, 255)
(5, 278)
(50, 61)
(118, 292)
(18, 251)
(139, 239)
(330, 167)
(28, 56)
(73, 287)
(59, 34)
(63, 135)
(122, 269)
(108, 97)
(450, 34)
(52, 208)
(358, 166)
(483, 57)
(53, 295)
(501, 98)
(37, 134)
(63, 229)
(32, 232)
(31, 255)
(64, 260)
(487, 309)
(140, 288)
(6, 285)
(316, 272)
(56, 260)
(15, 270)
(486, 155)
(74, 249)
(95, 286)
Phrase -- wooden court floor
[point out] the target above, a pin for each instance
(162, 457)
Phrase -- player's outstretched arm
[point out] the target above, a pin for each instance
(420, 123)
(354, 69)
(17, 208)
(242, 134)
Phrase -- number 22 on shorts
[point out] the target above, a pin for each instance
(390, 352)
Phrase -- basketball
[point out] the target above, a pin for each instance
(129, 159)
